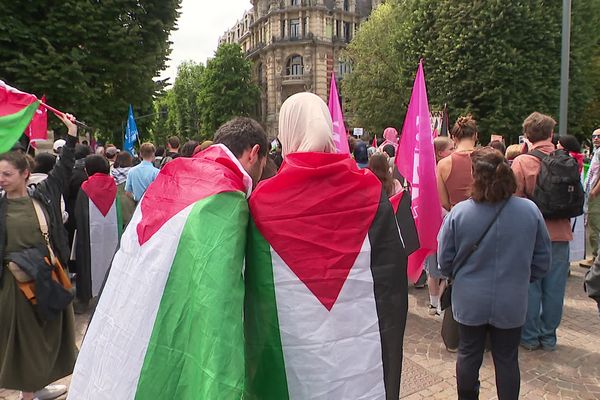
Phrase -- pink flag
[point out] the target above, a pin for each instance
(375, 142)
(416, 162)
(339, 129)
(38, 127)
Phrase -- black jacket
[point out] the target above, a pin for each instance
(48, 194)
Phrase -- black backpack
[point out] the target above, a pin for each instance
(558, 191)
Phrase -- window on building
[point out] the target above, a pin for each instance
(259, 72)
(295, 2)
(295, 66)
(328, 28)
(344, 68)
(347, 32)
(346, 5)
(337, 28)
(305, 25)
(294, 28)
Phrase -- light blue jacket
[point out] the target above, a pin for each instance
(491, 286)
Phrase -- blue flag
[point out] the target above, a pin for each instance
(131, 133)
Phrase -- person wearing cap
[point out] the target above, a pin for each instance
(592, 189)
(58, 144)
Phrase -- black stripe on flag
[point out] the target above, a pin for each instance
(389, 268)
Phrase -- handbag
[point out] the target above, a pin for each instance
(446, 297)
(25, 282)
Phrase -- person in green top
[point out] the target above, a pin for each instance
(33, 352)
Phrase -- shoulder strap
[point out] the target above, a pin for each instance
(475, 246)
(537, 154)
(41, 217)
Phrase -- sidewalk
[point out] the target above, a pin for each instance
(571, 372)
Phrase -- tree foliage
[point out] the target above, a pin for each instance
(91, 58)
(227, 88)
(185, 94)
(494, 59)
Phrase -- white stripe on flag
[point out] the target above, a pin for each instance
(104, 239)
(330, 354)
(113, 352)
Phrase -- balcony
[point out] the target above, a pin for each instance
(287, 80)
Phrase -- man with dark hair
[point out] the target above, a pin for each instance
(172, 153)
(546, 296)
(98, 229)
(179, 268)
(247, 141)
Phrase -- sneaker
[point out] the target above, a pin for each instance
(432, 310)
(587, 263)
(50, 392)
(451, 349)
(530, 347)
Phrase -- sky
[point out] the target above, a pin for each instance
(200, 25)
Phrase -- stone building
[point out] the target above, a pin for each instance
(295, 45)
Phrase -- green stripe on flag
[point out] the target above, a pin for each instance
(263, 341)
(13, 125)
(196, 350)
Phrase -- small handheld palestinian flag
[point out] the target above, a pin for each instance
(169, 323)
(99, 225)
(326, 284)
(16, 111)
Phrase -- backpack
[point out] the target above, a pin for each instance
(558, 191)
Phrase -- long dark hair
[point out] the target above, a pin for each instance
(493, 180)
(378, 164)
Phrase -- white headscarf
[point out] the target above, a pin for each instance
(305, 125)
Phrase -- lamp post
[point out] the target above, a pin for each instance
(564, 68)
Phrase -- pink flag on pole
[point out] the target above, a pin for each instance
(38, 127)
(416, 162)
(335, 109)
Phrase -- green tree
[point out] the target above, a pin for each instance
(494, 59)
(227, 89)
(185, 94)
(164, 123)
(90, 58)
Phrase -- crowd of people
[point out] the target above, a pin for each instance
(281, 241)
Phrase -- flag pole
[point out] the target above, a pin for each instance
(62, 114)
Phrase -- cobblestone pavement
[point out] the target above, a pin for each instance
(571, 372)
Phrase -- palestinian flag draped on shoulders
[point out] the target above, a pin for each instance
(169, 323)
(326, 283)
(99, 226)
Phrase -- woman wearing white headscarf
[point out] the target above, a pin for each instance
(326, 286)
(305, 125)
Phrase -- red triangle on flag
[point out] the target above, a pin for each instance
(316, 213)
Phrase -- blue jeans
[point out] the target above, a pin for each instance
(546, 298)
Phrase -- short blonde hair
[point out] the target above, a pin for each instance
(147, 150)
(513, 151)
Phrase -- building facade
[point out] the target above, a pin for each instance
(295, 45)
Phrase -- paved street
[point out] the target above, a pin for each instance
(571, 372)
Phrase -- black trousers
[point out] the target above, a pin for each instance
(505, 352)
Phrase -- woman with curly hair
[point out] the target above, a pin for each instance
(491, 284)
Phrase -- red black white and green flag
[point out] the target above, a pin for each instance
(99, 226)
(16, 111)
(169, 323)
(326, 284)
